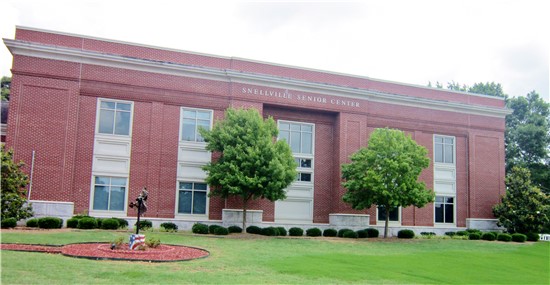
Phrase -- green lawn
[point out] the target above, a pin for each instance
(285, 260)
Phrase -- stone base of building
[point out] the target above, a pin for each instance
(351, 221)
(63, 210)
(234, 217)
(483, 224)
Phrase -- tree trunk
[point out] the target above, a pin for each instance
(387, 221)
(245, 205)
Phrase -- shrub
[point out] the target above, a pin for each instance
(504, 237)
(212, 228)
(254, 230)
(118, 242)
(110, 224)
(405, 234)
(362, 234)
(169, 226)
(50, 223)
(372, 233)
(530, 236)
(87, 223)
(489, 236)
(282, 231)
(8, 223)
(314, 232)
(474, 236)
(349, 234)
(330, 233)
(235, 229)
(462, 233)
(519, 237)
(152, 242)
(342, 231)
(221, 231)
(122, 223)
(72, 223)
(199, 228)
(269, 231)
(99, 221)
(145, 224)
(33, 223)
(473, 231)
(428, 234)
(295, 232)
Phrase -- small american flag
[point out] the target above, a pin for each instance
(136, 241)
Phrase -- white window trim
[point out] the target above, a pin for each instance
(390, 223)
(302, 155)
(98, 109)
(194, 142)
(443, 164)
(110, 213)
(454, 211)
(198, 217)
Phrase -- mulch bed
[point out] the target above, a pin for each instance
(103, 251)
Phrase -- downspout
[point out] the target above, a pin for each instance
(32, 171)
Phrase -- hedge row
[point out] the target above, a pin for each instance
(84, 222)
(200, 228)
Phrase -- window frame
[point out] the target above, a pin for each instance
(182, 110)
(382, 222)
(207, 201)
(445, 203)
(444, 144)
(108, 211)
(299, 154)
(98, 115)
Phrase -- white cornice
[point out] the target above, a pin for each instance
(17, 47)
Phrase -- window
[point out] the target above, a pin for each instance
(444, 209)
(299, 136)
(304, 177)
(303, 162)
(192, 120)
(109, 193)
(444, 149)
(394, 214)
(192, 198)
(114, 117)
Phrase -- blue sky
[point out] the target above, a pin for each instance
(412, 42)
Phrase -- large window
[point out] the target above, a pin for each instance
(192, 198)
(444, 149)
(394, 214)
(298, 135)
(114, 117)
(444, 209)
(109, 193)
(192, 120)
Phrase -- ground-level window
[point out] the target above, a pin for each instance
(109, 193)
(192, 198)
(394, 214)
(444, 209)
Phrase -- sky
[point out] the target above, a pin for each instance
(413, 42)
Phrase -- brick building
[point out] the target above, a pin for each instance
(102, 119)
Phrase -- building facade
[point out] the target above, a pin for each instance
(101, 119)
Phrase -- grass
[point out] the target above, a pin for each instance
(285, 260)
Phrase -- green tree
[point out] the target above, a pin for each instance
(386, 173)
(524, 207)
(527, 138)
(491, 89)
(253, 164)
(5, 87)
(12, 195)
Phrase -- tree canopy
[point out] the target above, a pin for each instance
(253, 164)
(528, 137)
(14, 181)
(5, 83)
(524, 208)
(386, 173)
